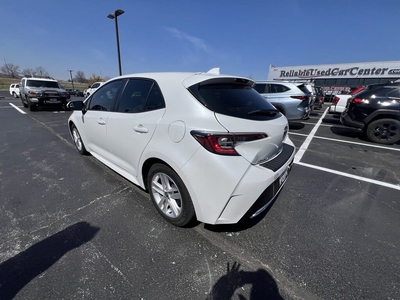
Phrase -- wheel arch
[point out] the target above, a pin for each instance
(146, 168)
(382, 114)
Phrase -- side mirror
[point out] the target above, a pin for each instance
(76, 105)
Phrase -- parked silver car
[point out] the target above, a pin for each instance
(292, 100)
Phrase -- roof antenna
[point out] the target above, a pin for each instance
(214, 71)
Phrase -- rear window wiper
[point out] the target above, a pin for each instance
(264, 112)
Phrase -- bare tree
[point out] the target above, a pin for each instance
(94, 78)
(80, 77)
(41, 72)
(10, 70)
(28, 72)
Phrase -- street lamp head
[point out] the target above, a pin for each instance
(118, 12)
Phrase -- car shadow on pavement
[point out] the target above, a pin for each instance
(263, 285)
(349, 132)
(296, 125)
(332, 120)
(19, 270)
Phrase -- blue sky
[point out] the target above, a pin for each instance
(241, 37)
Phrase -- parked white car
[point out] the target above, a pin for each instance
(14, 90)
(92, 88)
(205, 146)
(339, 102)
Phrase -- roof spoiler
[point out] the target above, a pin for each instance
(214, 71)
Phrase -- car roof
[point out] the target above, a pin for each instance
(279, 82)
(40, 78)
(187, 78)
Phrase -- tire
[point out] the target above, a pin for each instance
(15, 95)
(76, 137)
(170, 196)
(384, 131)
(32, 107)
(23, 103)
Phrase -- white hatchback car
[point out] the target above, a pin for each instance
(205, 146)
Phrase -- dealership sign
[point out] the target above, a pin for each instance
(361, 70)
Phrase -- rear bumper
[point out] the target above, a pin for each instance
(258, 188)
(346, 120)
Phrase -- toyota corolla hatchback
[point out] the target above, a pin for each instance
(205, 146)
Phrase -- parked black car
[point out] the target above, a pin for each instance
(376, 111)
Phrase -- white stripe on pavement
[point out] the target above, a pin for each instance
(17, 108)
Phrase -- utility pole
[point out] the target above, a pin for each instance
(72, 81)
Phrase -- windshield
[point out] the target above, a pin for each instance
(42, 83)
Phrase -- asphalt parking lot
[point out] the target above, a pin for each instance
(72, 228)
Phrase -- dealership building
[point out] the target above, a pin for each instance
(338, 77)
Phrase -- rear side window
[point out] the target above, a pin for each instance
(234, 99)
(277, 88)
(395, 93)
(260, 87)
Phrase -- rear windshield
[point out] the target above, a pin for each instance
(234, 99)
(42, 83)
(304, 89)
(379, 92)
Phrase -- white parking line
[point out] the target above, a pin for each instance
(307, 142)
(330, 125)
(17, 108)
(385, 184)
(348, 142)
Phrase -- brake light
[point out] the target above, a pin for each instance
(300, 97)
(336, 100)
(224, 144)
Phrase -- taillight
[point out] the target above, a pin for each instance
(336, 100)
(224, 144)
(357, 100)
(300, 97)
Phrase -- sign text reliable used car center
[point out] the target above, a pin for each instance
(369, 71)
(355, 71)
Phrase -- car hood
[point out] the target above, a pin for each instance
(46, 89)
(258, 151)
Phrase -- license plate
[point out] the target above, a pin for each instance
(283, 177)
(53, 100)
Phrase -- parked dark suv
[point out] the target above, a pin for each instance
(376, 110)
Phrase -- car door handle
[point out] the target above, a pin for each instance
(140, 129)
(101, 121)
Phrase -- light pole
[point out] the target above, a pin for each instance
(115, 15)
(72, 81)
